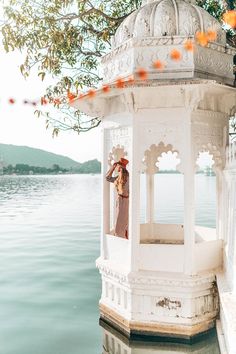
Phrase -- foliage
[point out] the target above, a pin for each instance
(93, 166)
(66, 39)
(24, 169)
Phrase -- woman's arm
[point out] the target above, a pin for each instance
(109, 177)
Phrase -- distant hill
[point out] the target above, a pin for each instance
(13, 155)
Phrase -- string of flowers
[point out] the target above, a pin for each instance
(201, 38)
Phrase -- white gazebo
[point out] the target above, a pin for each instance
(162, 280)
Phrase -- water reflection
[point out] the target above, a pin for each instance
(116, 343)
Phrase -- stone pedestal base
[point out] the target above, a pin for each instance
(158, 304)
(115, 342)
(154, 331)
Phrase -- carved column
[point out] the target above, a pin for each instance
(149, 217)
(219, 201)
(105, 227)
(134, 200)
(189, 200)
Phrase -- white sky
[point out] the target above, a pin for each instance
(19, 125)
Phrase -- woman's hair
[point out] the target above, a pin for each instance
(124, 175)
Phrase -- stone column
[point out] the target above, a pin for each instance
(134, 199)
(219, 206)
(189, 199)
(105, 227)
(149, 217)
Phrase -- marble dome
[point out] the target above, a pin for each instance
(167, 18)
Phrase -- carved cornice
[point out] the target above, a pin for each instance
(213, 115)
(161, 41)
(135, 279)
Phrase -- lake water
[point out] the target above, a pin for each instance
(49, 241)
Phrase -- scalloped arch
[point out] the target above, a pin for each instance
(152, 154)
(218, 158)
(116, 153)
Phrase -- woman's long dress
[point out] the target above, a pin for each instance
(122, 207)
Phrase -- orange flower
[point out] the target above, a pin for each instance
(106, 88)
(175, 55)
(229, 18)
(211, 35)
(189, 45)
(11, 100)
(142, 74)
(57, 101)
(91, 93)
(43, 101)
(202, 38)
(158, 64)
(120, 83)
(70, 96)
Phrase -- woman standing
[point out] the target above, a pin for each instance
(121, 183)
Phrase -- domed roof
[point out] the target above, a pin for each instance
(167, 18)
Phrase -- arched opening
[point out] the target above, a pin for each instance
(206, 194)
(161, 196)
(205, 191)
(169, 190)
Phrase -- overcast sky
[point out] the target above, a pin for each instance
(19, 125)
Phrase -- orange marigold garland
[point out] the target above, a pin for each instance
(142, 74)
(202, 38)
(57, 101)
(11, 100)
(189, 45)
(175, 54)
(71, 96)
(159, 65)
(44, 101)
(91, 93)
(229, 18)
(120, 83)
(106, 88)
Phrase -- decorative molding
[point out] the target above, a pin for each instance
(218, 156)
(213, 61)
(118, 143)
(148, 280)
(161, 41)
(116, 153)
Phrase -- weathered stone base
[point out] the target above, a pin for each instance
(154, 331)
(158, 304)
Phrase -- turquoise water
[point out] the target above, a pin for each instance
(49, 241)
